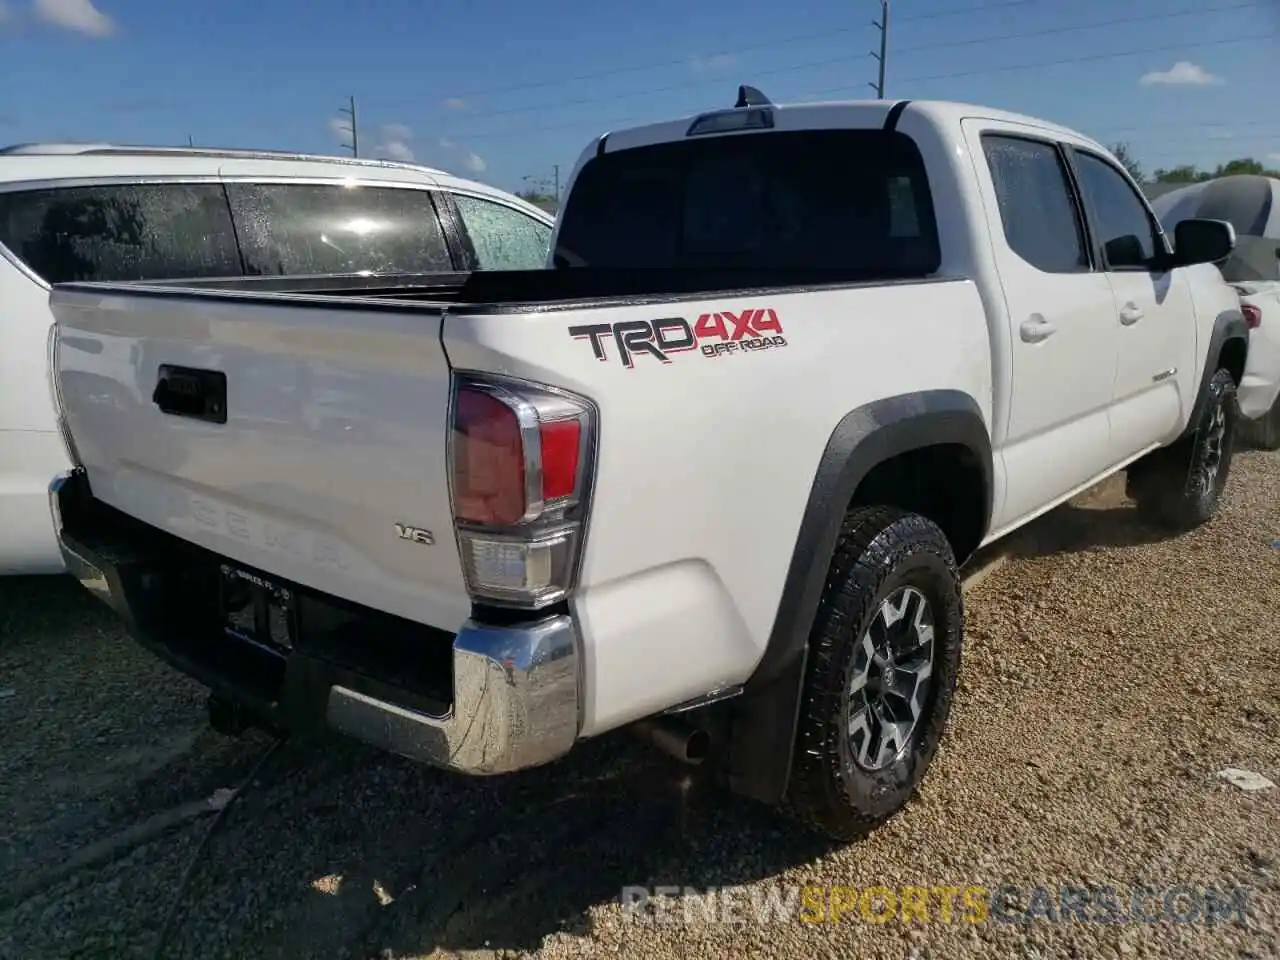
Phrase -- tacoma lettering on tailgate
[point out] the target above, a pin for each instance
(714, 334)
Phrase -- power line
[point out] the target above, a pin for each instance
(749, 48)
(635, 118)
(1069, 60)
(844, 59)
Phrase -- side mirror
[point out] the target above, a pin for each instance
(1126, 251)
(1202, 241)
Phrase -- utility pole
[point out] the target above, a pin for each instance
(191, 141)
(883, 27)
(557, 170)
(354, 145)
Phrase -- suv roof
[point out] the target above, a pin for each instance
(133, 150)
(44, 162)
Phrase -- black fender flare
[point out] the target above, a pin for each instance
(763, 722)
(1227, 326)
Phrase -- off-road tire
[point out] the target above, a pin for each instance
(881, 550)
(1180, 487)
(1265, 431)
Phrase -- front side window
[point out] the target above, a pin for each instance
(1039, 215)
(855, 201)
(305, 229)
(113, 232)
(1120, 217)
(503, 238)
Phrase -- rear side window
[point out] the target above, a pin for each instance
(303, 229)
(109, 232)
(855, 201)
(1040, 217)
(503, 238)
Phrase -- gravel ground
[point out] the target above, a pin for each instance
(1109, 674)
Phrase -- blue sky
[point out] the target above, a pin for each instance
(504, 91)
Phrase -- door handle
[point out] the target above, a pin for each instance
(190, 392)
(1036, 328)
(1131, 314)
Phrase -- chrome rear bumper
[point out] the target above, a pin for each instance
(516, 691)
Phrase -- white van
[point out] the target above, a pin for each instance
(105, 212)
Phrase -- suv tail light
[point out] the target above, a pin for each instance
(1252, 315)
(520, 465)
(55, 389)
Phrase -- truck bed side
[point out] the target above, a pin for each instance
(707, 453)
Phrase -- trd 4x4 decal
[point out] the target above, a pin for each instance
(714, 335)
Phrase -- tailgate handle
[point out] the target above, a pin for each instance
(190, 392)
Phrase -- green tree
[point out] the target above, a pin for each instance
(1122, 153)
(1184, 174)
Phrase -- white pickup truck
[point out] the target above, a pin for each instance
(711, 475)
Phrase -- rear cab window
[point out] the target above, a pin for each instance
(308, 229)
(1038, 211)
(852, 201)
(113, 232)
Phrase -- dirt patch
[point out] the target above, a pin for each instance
(1110, 672)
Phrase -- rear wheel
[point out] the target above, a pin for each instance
(1181, 486)
(884, 654)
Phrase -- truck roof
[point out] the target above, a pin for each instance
(834, 113)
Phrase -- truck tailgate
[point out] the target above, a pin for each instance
(325, 461)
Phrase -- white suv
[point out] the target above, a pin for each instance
(104, 212)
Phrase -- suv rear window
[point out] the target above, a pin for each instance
(304, 229)
(121, 232)
(856, 201)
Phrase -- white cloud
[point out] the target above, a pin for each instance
(456, 103)
(394, 143)
(1184, 73)
(1274, 157)
(396, 150)
(78, 15)
(716, 63)
(472, 161)
(341, 129)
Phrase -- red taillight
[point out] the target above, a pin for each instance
(561, 441)
(488, 460)
(1252, 315)
(519, 476)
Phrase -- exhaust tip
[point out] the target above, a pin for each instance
(691, 745)
(697, 747)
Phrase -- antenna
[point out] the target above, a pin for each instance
(751, 97)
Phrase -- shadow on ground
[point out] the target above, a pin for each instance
(344, 846)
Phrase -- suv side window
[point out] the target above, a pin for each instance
(1041, 221)
(303, 229)
(503, 238)
(1123, 225)
(106, 232)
